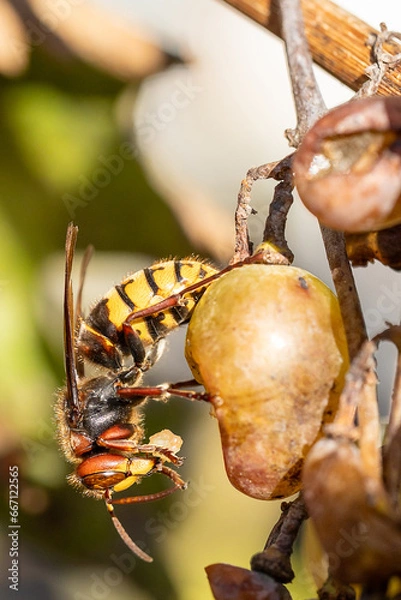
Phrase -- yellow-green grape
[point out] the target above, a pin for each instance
(267, 343)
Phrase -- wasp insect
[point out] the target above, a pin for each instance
(99, 417)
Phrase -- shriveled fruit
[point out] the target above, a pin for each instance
(348, 168)
(267, 343)
(357, 528)
(348, 490)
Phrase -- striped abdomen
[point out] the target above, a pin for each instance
(102, 337)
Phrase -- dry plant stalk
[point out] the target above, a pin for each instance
(309, 106)
(274, 231)
(337, 39)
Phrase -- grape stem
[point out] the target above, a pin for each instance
(274, 560)
(274, 231)
(309, 107)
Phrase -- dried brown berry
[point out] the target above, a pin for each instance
(348, 167)
(234, 583)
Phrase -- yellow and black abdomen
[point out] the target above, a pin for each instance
(110, 331)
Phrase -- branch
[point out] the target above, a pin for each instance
(338, 41)
(309, 106)
(274, 560)
(309, 103)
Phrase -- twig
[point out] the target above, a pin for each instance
(274, 231)
(275, 223)
(309, 107)
(337, 40)
(383, 61)
(274, 560)
(344, 284)
(309, 104)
